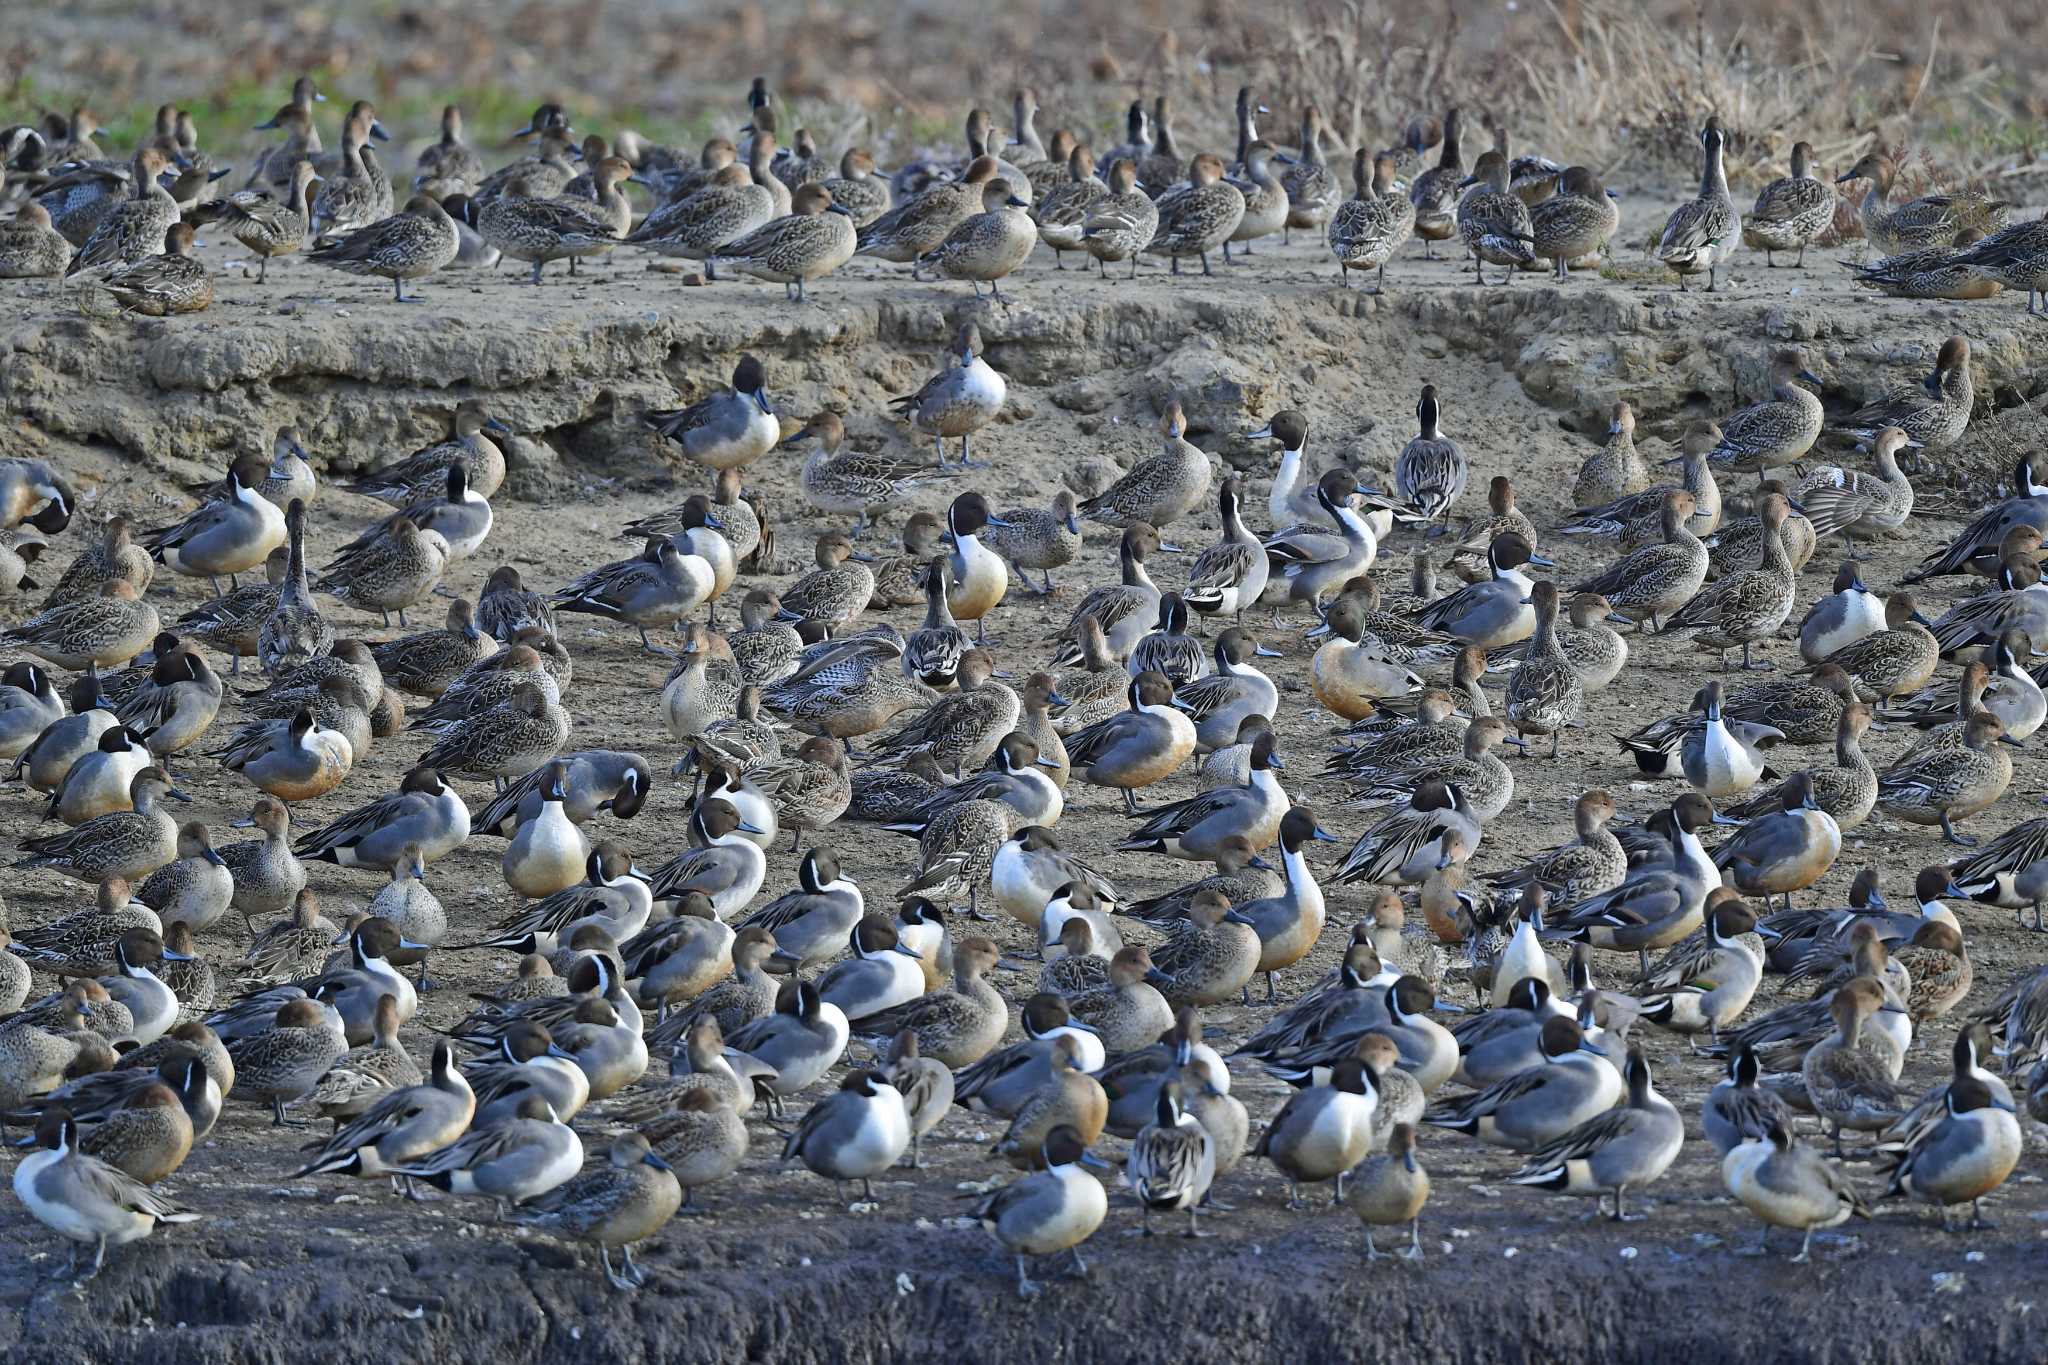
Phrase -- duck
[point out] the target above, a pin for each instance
(627, 1199)
(1220, 702)
(1065, 205)
(1848, 614)
(986, 246)
(1137, 747)
(1377, 221)
(1931, 220)
(1323, 1131)
(425, 471)
(1839, 501)
(84, 1198)
(134, 227)
(1656, 904)
(1484, 779)
(1314, 561)
(1575, 222)
(1414, 840)
(1289, 924)
(31, 248)
(1849, 1085)
(1545, 694)
(410, 244)
(401, 1126)
(1787, 1184)
(357, 192)
(840, 482)
(128, 844)
(866, 195)
(726, 207)
(1122, 224)
(283, 1059)
(107, 630)
(170, 282)
(1493, 223)
(610, 896)
(1049, 1211)
(1934, 414)
(1947, 784)
(397, 567)
(295, 631)
(1200, 218)
(1637, 519)
(1496, 610)
(1739, 543)
(730, 429)
(1791, 211)
(1701, 991)
(816, 237)
(1593, 862)
(1212, 955)
(228, 537)
(1627, 1146)
(1778, 431)
(1537, 1107)
(1617, 470)
(1846, 792)
(1194, 828)
(1742, 608)
(2012, 256)
(661, 586)
(1160, 490)
(1435, 192)
(1699, 235)
(904, 233)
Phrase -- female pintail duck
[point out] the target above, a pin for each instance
(90, 633)
(1390, 1189)
(424, 664)
(357, 192)
(1312, 188)
(1435, 192)
(986, 246)
(626, 1199)
(509, 740)
(843, 482)
(1467, 557)
(1193, 829)
(1414, 840)
(1591, 863)
(1121, 613)
(1929, 221)
(1031, 868)
(957, 850)
(921, 222)
(961, 730)
(1851, 1086)
(1161, 164)
(128, 844)
(1545, 693)
(398, 566)
(724, 865)
(1064, 207)
(196, 888)
(1742, 608)
(449, 159)
(1095, 690)
(730, 429)
(1846, 792)
(1844, 501)
(1791, 211)
(1657, 904)
(410, 244)
(1596, 651)
(1950, 784)
(1615, 471)
(1933, 413)
(727, 207)
(526, 1061)
(1485, 780)
(1121, 224)
(1788, 1184)
(1137, 747)
(864, 193)
(134, 227)
(1739, 543)
(813, 240)
(1265, 197)
(1628, 1146)
(1159, 490)
(694, 698)
(1637, 519)
(1493, 223)
(1368, 228)
(1778, 431)
(1699, 235)
(85, 1199)
(1939, 967)
(1051, 1210)
(425, 472)
(1314, 561)
(1199, 218)
(2015, 257)
(1540, 1105)
(886, 795)
(1575, 223)
(1038, 538)
(1430, 473)
(1212, 956)
(765, 649)
(295, 631)
(659, 587)
(747, 995)
(1220, 702)
(170, 282)
(680, 957)
(30, 248)
(1127, 1011)
(1895, 661)
(1067, 1096)
(283, 1059)
(400, 1127)
(847, 688)
(836, 592)
(485, 685)
(1323, 1131)
(978, 576)
(407, 903)
(231, 536)
(116, 556)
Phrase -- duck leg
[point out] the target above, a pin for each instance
(1414, 1251)
(1027, 1288)
(1805, 1245)
(1372, 1253)
(1948, 832)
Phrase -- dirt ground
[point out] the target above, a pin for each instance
(776, 1269)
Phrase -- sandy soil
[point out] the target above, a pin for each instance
(776, 1269)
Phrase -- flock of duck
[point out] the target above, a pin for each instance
(657, 1003)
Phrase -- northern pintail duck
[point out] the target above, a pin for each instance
(1158, 490)
(116, 556)
(1323, 1131)
(128, 844)
(1571, 1084)
(1787, 1184)
(1377, 221)
(400, 1127)
(29, 705)
(865, 194)
(1847, 791)
(1265, 197)
(98, 782)
(1195, 220)
(1545, 694)
(193, 890)
(1699, 235)
(1850, 1085)
(397, 566)
(1930, 220)
(1790, 211)
(1485, 780)
(1778, 431)
(730, 429)
(1312, 189)
(424, 473)
(1063, 207)
(171, 281)
(1617, 470)
(1847, 501)
(1949, 784)
(231, 536)
(850, 481)
(1068, 1096)
(813, 240)
(30, 248)
(408, 245)
(1038, 538)
(134, 227)
(295, 631)
(1783, 851)
(1354, 669)
(1122, 613)
(1742, 608)
(1436, 827)
(1220, 702)
(627, 1198)
(1435, 192)
(295, 759)
(1933, 414)
(1496, 610)
(2015, 257)
(1895, 661)
(1049, 1211)
(356, 192)
(1121, 224)
(1493, 223)
(1657, 903)
(1575, 223)
(1315, 560)
(283, 1059)
(1137, 747)
(986, 246)
(1637, 518)
(109, 629)
(85, 1199)
(509, 740)
(1628, 1146)
(727, 207)
(659, 587)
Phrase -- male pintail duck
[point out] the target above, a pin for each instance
(1628, 1146)
(858, 1132)
(1354, 670)
(409, 245)
(1493, 223)
(1533, 1108)
(962, 398)
(1575, 223)
(400, 1126)
(1848, 614)
(730, 429)
(626, 1199)
(1657, 904)
(29, 705)
(513, 1161)
(1435, 192)
(724, 865)
(1031, 867)
(1929, 221)
(1368, 228)
(1049, 1211)
(1314, 560)
(1137, 747)
(85, 1199)
(1172, 1160)
(1414, 840)
(230, 536)
(1430, 473)
(1699, 235)
(1495, 611)
(1784, 851)
(1193, 829)
(1788, 1184)
(659, 587)
(882, 973)
(1322, 1131)
(1791, 211)
(1221, 702)
(1742, 608)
